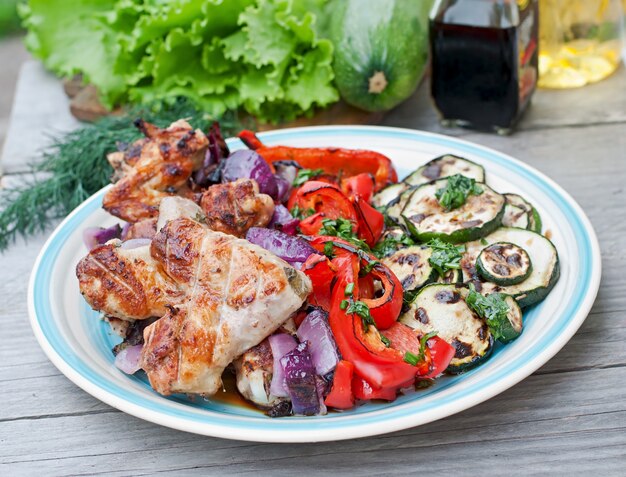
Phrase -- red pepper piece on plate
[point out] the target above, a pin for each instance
(371, 221)
(362, 185)
(341, 396)
(333, 160)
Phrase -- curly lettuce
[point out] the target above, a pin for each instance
(264, 56)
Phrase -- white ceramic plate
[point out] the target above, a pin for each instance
(79, 344)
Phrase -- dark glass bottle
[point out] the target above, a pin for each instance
(484, 61)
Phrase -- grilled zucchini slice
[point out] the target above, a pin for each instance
(515, 216)
(412, 268)
(388, 195)
(504, 263)
(445, 166)
(426, 219)
(512, 328)
(442, 308)
(512, 217)
(543, 256)
(394, 209)
(451, 276)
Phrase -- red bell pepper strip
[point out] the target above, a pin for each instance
(384, 309)
(333, 160)
(371, 222)
(381, 366)
(312, 224)
(362, 185)
(250, 139)
(326, 199)
(322, 273)
(364, 391)
(341, 396)
(441, 353)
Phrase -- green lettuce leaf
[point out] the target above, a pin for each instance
(264, 56)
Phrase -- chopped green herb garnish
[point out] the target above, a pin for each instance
(390, 244)
(329, 250)
(306, 175)
(445, 256)
(424, 383)
(492, 308)
(414, 359)
(424, 342)
(411, 358)
(385, 340)
(456, 191)
(349, 289)
(299, 213)
(483, 241)
(342, 228)
(361, 309)
(368, 268)
(344, 304)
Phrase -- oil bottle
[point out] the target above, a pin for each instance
(580, 41)
(484, 61)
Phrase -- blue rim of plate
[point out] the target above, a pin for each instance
(340, 426)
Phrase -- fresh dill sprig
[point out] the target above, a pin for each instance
(75, 166)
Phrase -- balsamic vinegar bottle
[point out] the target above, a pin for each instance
(484, 61)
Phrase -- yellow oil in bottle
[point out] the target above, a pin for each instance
(580, 41)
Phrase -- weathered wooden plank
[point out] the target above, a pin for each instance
(554, 433)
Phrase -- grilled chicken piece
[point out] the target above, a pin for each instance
(237, 294)
(126, 283)
(234, 207)
(254, 375)
(172, 208)
(145, 228)
(166, 161)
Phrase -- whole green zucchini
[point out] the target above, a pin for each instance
(381, 49)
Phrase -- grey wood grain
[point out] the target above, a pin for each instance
(569, 418)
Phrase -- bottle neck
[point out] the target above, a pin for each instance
(478, 13)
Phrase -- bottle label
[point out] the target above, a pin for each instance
(527, 44)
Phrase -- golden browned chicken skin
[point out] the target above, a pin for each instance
(162, 167)
(237, 294)
(234, 207)
(126, 283)
(217, 296)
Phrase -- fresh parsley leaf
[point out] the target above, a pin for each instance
(492, 308)
(390, 244)
(424, 342)
(329, 250)
(445, 256)
(456, 191)
(414, 359)
(349, 289)
(301, 214)
(361, 309)
(342, 228)
(411, 358)
(368, 268)
(385, 340)
(306, 175)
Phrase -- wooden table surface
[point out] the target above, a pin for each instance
(568, 418)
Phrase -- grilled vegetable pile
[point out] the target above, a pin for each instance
(489, 245)
(405, 281)
(417, 277)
